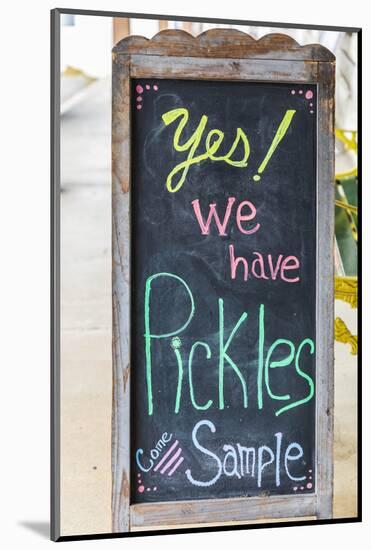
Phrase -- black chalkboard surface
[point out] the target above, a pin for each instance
(223, 289)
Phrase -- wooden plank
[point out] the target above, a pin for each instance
(143, 66)
(187, 26)
(121, 28)
(223, 44)
(221, 510)
(163, 24)
(120, 298)
(243, 523)
(325, 289)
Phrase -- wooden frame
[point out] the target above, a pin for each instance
(220, 54)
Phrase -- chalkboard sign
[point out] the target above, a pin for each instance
(229, 348)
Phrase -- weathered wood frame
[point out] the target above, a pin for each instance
(220, 54)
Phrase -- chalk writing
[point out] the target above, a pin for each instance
(264, 266)
(223, 354)
(222, 226)
(240, 461)
(213, 142)
(224, 302)
(155, 453)
(282, 129)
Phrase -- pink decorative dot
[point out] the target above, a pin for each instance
(311, 112)
(310, 104)
(155, 488)
(148, 489)
(309, 485)
(139, 106)
(300, 91)
(301, 488)
(155, 87)
(148, 87)
(310, 471)
(138, 475)
(141, 489)
(295, 488)
(309, 94)
(139, 89)
(139, 98)
(293, 92)
(310, 477)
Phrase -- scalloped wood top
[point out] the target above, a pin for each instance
(222, 43)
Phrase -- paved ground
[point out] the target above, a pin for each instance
(86, 315)
(86, 331)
